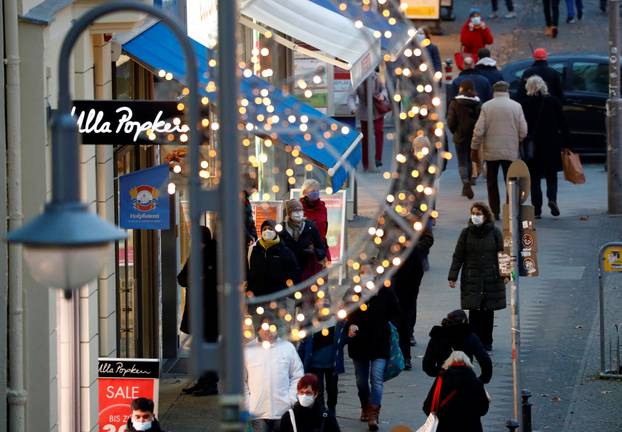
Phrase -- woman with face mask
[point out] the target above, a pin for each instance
(272, 266)
(304, 239)
(307, 415)
(482, 289)
(475, 34)
(315, 209)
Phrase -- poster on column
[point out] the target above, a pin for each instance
(266, 210)
(120, 381)
(143, 199)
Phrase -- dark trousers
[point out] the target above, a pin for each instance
(329, 382)
(551, 12)
(536, 190)
(508, 4)
(463, 151)
(379, 138)
(262, 425)
(492, 182)
(407, 297)
(482, 322)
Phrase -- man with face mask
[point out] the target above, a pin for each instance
(142, 418)
(303, 238)
(308, 415)
(315, 209)
(272, 266)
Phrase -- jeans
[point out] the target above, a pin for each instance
(329, 380)
(262, 425)
(536, 190)
(370, 372)
(482, 321)
(463, 151)
(551, 12)
(492, 174)
(508, 4)
(379, 138)
(407, 297)
(570, 7)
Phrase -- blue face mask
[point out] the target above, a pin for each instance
(476, 20)
(313, 195)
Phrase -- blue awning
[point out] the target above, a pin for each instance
(329, 143)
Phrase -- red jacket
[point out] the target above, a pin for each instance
(316, 213)
(473, 38)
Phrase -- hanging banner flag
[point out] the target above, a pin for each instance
(120, 381)
(143, 199)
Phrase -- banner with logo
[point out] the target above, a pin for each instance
(143, 199)
(120, 381)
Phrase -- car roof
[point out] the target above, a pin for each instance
(571, 56)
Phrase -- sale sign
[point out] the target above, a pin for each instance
(121, 381)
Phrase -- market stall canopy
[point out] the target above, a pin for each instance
(329, 143)
(335, 38)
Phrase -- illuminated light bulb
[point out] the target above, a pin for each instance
(212, 63)
(248, 334)
(308, 93)
(265, 326)
(392, 21)
(341, 314)
(357, 288)
(317, 79)
(428, 191)
(400, 158)
(215, 126)
(356, 266)
(358, 24)
(267, 73)
(438, 132)
(321, 294)
(276, 188)
(388, 34)
(248, 321)
(298, 161)
(423, 207)
(345, 130)
(260, 310)
(249, 127)
(161, 73)
(204, 174)
(403, 116)
(371, 231)
(171, 188)
(418, 226)
(325, 311)
(291, 181)
(302, 334)
(168, 76)
(379, 269)
(420, 188)
(377, 34)
(302, 84)
(424, 111)
(177, 169)
(397, 98)
(300, 317)
(180, 106)
(402, 239)
(265, 345)
(289, 172)
(428, 88)
(288, 317)
(447, 155)
(370, 285)
(434, 214)
(390, 198)
(408, 52)
(298, 295)
(380, 232)
(432, 169)
(397, 261)
(363, 307)
(244, 102)
(425, 151)
(417, 52)
(291, 118)
(325, 332)
(436, 101)
(265, 52)
(266, 196)
(438, 75)
(204, 164)
(329, 190)
(386, 175)
(183, 138)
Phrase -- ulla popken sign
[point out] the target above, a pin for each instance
(127, 122)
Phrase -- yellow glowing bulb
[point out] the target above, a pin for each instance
(342, 314)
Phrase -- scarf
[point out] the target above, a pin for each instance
(267, 244)
(294, 229)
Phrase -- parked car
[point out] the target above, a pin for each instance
(585, 79)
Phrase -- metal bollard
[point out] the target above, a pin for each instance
(526, 394)
(512, 425)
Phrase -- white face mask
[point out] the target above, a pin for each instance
(141, 426)
(297, 216)
(306, 400)
(476, 20)
(477, 219)
(268, 235)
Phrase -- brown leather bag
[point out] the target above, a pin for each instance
(573, 170)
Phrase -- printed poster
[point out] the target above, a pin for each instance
(422, 9)
(265, 210)
(143, 199)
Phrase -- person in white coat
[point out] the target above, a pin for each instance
(500, 128)
(272, 371)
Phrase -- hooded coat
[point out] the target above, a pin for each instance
(487, 68)
(473, 38)
(312, 419)
(462, 115)
(270, 269)
(316, 212)
(463, 411)
(458, 337)
(481, 84)
(550, 76)
(475, 258)
(309, 249)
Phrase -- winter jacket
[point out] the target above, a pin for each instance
(550, 76)
(155, 426)
(474, 38)
(373, 339)
(357, 101)
(270, 378)
(414, 265)
(309, 249)
(315, 211)
(324, 352)
(548, 129)
(500, 128)
(460, 337)
(312, 419)
(475, 258)
(481, 84)
(435, 57)
(462, 115)
(487, 68)
(463, 411)
(270, 269)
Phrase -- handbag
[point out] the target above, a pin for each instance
(383, 106)
(573, 170)
(395, 365)
(431, 423)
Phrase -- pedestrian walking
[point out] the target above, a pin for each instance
(369, 342)
(272, 370)
(549, 135)
(462, 115)
(315, 209)
(302, 237)
(551, 17)
(406, 282)
(482, 289)
(495, 8)
(433, 51)
(475, 34)
(358, 105)
(500, 128)
(207, 384)
(487, 67)
(455, 334)
(481, 83)
(142, 417)
(308, 414)
(272, 266)
(462, 400)
(550, 76)
(572, 13)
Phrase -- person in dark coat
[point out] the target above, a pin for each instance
(369, 345)
(455, 334)
(433, 51)
(550, 76)
(463, 399)
(549, 133)
(272, 266)
(308, 413)
(302, 237)
(482, 289)
(462, 115)
(486, 66)
(315, 209)
(481, 84)
(207, 383)
(406, 282)
(250, 230)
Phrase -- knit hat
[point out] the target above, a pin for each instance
(473, 11)
(293, 205)
(454, 318)
(540, 54)
(501, 86)
(268, 222)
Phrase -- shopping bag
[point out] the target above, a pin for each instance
(573, 170)
(430, 425)
(395, 365)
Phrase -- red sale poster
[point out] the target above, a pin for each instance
(121, 381)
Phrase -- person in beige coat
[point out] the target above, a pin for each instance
(500, 128)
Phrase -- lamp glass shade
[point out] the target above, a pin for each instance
(66, 268)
